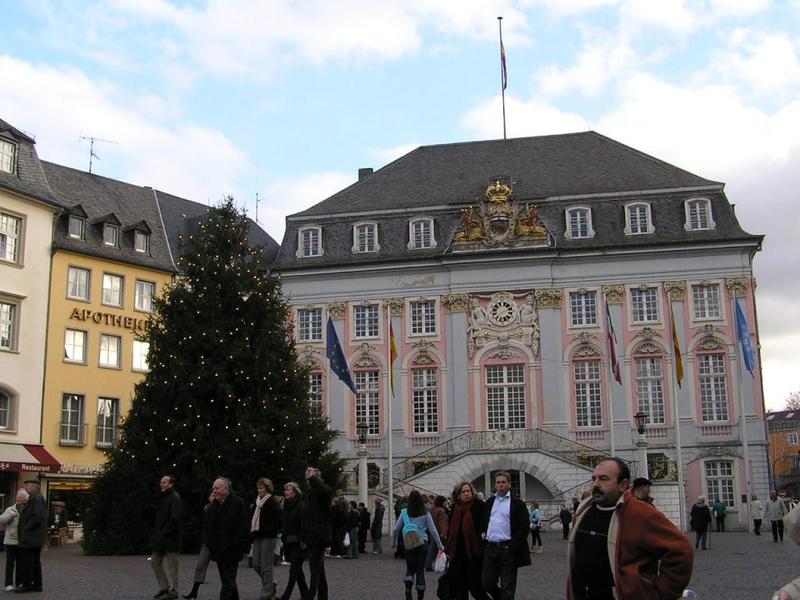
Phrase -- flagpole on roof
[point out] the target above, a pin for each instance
(503, 74)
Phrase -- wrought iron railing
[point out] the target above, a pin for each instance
(72, 434)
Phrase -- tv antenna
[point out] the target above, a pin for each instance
(257, 201)
(92, 154)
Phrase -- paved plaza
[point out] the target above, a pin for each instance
(739, 566)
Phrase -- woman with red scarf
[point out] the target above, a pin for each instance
(464, 543)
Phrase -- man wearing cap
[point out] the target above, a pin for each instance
(641, 489)
(32, 530)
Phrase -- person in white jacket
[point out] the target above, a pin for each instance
(757, 514)
(10, 519)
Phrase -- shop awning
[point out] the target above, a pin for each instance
(27, 457)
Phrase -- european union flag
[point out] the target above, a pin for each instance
(336, 356)
(742, 331)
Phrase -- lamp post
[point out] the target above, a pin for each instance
(641, 443)
(363, 490)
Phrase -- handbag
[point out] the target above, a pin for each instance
(443, 591)
(346, 539)
(440, 564)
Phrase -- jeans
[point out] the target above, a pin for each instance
(167, 578)
(721, 523)
(294, 554)
(498, 563)
(757, 526)
(352, 550)
(376, 544)
(701, 536)
(12, 565)
(777, 529)
(263, 557)
(415, 567)
(318, 584)
(536, 536)
(227, 576)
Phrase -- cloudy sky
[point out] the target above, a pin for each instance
(288, 99)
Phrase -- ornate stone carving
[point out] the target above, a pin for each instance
(614, 293)
(718, 451)
(308, 355)
(647, 347)
(675, 289)
(503, 319)
(737, 288)
(336, 310)
(505, 353)
(423, 349)
(586, 347)
(395, 306)
(549, 297)
(454, 303)
(366, 357)
(710, 341)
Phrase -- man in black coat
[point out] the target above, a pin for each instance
(363, 527)
(376, 531)
(316, 532)
(226, 532)
(165, 543)
(506, 533)
(32, 530)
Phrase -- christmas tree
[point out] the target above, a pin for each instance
(225, 394)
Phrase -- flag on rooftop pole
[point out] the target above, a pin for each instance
(337, 359)
(503, 73)
(612, 347)
(676, 348)
(743, 333)
(392, 354)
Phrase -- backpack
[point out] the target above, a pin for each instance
(413, 536)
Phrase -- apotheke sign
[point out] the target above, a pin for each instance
(105, 318)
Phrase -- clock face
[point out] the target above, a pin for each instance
(503, 311)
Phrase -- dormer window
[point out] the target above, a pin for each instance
(420, 234)
(309, 242)
(8, 157)
(110, 235)
(141, 241)
(638, 220)
(365, 237)
(579, 223)
(76, 227)
(698, 215)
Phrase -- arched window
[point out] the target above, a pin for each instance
(649, 371)
(579, 223)
(368, 400)
(309, 242)
(698, 214)
(421, 234)
(505, 396)
(713, 381)
(7, 409)
(587, 389)
(365, 238)
(638, 219)
(425, 399)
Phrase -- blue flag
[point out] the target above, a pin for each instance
(336, 356)
(743, 333)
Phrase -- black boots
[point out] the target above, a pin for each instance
(193, 593)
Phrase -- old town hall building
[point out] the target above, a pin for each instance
(502, 269)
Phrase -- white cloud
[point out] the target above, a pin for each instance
(663, 14)
(387, 155)
(765, 63)
(522, 118)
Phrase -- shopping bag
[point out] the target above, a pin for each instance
(440, 565)
(346, 539)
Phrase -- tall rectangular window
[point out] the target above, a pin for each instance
(650, 389)
(315, 391)
(368, 401)
(8, 326)
(583, 308)
(423, 317)
(425, 392)
(71, 426)
(6, 411)
(78, 283)
(638, 219)
(8, 157)
(713, 387)
(10, 235)
(309, 324)
(310, 242)
(75, 346)
(421, 234)
(698, 215)
(706, 301)
(141, 242)
(143, 295)
(75, 227)
(107, 422)
(588, 405)
(366, 238)
(110, 350)
(505, 396)
(366, 321)
(112, 289)
(720, 482)
(579, 223)
(644, 305)
(110, 234)
(140, 351)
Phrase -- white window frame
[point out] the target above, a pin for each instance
(504, 386)
(141, 241)
(720, 470)
(309, 321)
(143, 302)
(139, 351)
(587, 381)
(701, 304)
(633, 222)
(713, 384)
(363, 232)
(8, 413)
(107, 426)
(9, 323)
(315, 390)
(368, 400)
(791, 438)
(15, 240)
(110, 354)
(640, 315)
(72, 432)
(79, 270)
(425, 400)
(420, 240)
(372, 322)
(313, 247)
(104, 289)
(649, 374)
(576, 235)
(79, 223)
(110, 235)
(8, 156)
(583, 314)
(694, 222)
(73, 334)
(421, 322)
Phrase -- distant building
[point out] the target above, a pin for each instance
(496, 264)
(784, 449)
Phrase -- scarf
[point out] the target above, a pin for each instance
(255, 524)
(462, 523)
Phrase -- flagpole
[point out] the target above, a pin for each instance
(612, 360)
(677, 420)
(738, 345)
(390, 458)
(503, 74)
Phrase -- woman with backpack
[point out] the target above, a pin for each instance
(417, 528)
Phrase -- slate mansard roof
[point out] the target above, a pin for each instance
(554, 172)
(29, 178)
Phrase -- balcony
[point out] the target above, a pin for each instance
(72, 434)
(106, 437)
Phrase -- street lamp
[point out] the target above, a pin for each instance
(641, 443)
(361, 432)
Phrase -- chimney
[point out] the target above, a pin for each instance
(364, 172)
